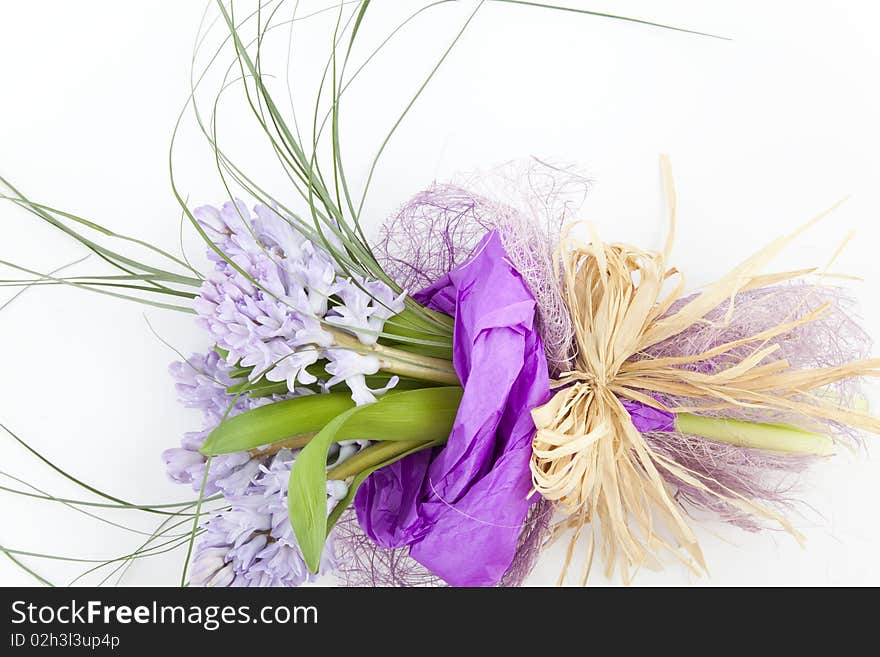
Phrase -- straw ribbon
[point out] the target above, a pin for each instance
(590, 459)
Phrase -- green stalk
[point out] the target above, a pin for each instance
(403, 363)
(374, 455)
(773, 437)
(415, 366)
(294, 442)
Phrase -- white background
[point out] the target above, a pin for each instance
(765, 131)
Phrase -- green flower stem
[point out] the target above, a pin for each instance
(424, 368)
(773, 437)
(294, 442)
(403, 363)
(374, 455)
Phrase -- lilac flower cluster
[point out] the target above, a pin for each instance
(252, 543)
(249, 543)
(273, 303)
(201, 383)
(268, 302)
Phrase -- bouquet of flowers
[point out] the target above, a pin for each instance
(488, 374)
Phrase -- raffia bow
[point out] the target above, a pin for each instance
(590, 459)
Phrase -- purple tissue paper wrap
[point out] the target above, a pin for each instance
(461, 508)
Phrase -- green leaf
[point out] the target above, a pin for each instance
(426, 415)
(274, 422)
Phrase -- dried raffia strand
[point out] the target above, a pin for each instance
(590, 459)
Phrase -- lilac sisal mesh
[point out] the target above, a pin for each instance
(438, 229)
(759, 475)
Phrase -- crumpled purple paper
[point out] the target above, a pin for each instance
(460, 508)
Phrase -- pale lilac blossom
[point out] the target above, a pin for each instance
(270, 308)
(252, 542)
